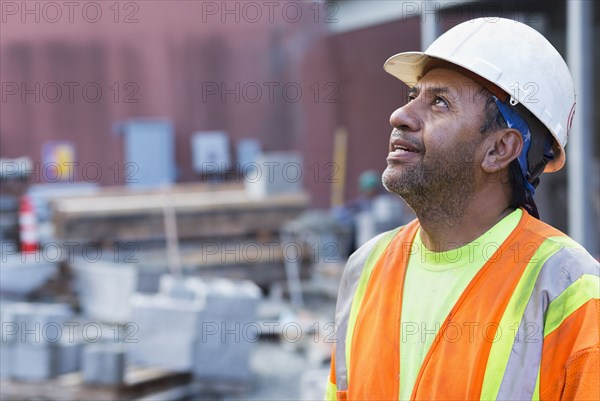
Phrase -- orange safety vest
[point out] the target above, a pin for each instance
(526, 327)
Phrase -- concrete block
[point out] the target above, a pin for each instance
(212, 334)
(222, 298)
(103, 364)
(229, 366)
(175, 287)
(167, 331)
(229, 331)
(36, 338)
(32, 362)
(35, 323)
(9, 329)
(69, 357)
(232, 298)
(6, 360)
(223, 360)
(37, 362)
(104, 288)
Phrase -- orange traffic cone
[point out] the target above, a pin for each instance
(27, 225)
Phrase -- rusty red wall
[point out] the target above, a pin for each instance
(162, 59)
(368, 94)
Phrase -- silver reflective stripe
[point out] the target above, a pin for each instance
(348, 285)
(557, 274)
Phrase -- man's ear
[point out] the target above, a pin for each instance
(502, 148)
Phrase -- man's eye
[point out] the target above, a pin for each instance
(411, 97)
(438, 101)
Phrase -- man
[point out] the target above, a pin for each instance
(477, 299)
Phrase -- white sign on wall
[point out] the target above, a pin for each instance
(210, 152)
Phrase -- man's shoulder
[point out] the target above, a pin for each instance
(561, 254)
(553, 237)
(540, 227)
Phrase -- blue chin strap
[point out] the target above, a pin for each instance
(514, 120)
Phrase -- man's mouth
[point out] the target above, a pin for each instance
(400, 149)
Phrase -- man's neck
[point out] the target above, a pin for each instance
(440, 235)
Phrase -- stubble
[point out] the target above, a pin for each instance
(437, 188)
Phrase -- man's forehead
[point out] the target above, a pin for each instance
(447, 79)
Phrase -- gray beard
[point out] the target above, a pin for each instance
(437, 190)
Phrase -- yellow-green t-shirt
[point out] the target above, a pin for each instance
(434, 282)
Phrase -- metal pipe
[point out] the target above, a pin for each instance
(579, 17)
(430, 23)
(170, 222)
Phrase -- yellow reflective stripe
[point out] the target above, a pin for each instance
(585, 288)
(536, 390)
(566, 242)
(374, 255)
(501, 349)
(330, 391)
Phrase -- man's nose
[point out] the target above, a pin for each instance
(406, 117)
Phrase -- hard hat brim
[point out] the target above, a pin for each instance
(409, 68)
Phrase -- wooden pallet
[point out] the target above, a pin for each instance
(139, 382)
(201, 213)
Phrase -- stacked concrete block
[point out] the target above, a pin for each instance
(211, 335)
(274, 173)
(34, 362)
(229, 329)
(38, 343)
(177, 288)
(103, 364)
(224, 358)
(7, 339)
(69, 356)
(6, 360)
(166, 331)
(104, 288)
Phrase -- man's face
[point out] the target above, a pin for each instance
(434, 143)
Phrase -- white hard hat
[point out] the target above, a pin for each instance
(512, 56)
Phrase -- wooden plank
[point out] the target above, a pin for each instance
(139, 382)
(153, 203)
(191, 225)
(200, 213)
(121, 190)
